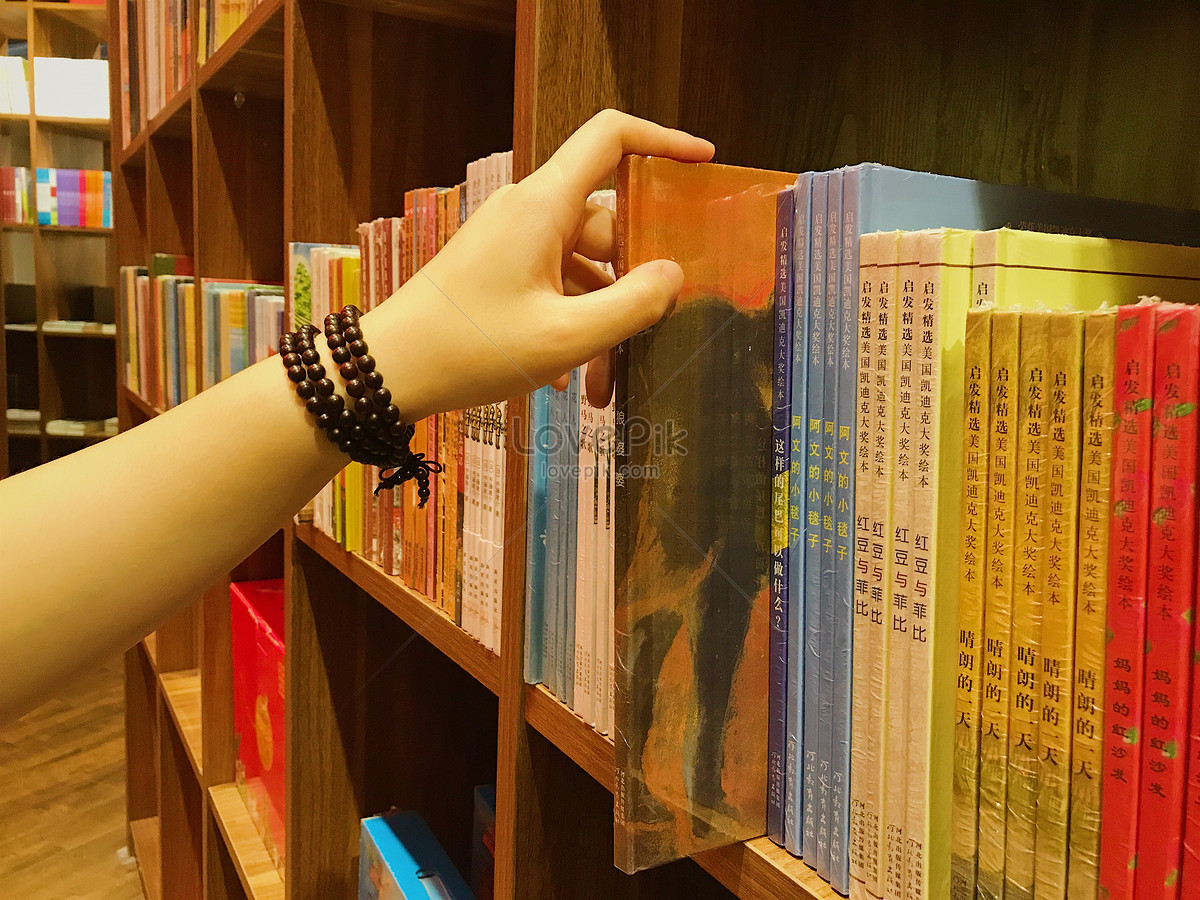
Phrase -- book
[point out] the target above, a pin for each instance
(1087, 738)
(683, 549)
(399, 858)
(1170, 600)
(1056, 665)
(964, 836)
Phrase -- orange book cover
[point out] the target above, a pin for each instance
(693, 545)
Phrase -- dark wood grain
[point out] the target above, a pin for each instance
(485, 15)
(169, 217)
(216, 679)
(181, 808)
(141, 735)
(177, 640)
(250, 61)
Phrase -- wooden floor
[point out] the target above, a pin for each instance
(62, 797)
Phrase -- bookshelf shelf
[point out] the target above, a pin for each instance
(759, 870)
(411, 607)
(17, 226)
(133, 153)
(92, 19)
(146, 838)
(135, 400)
(175, 118)
(21, 118)
(258, 875)
(487, 15)
(181, 691)
(92, 128)
(592, 751)
(251, 60)
(76, 230)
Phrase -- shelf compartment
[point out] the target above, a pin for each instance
(133, 154)
(138, 402)
(592, 751)
(497, 16)
(147, 848)
(181, 691)
(175, 118)
(251, 59)
(413, 608)
(258, 875)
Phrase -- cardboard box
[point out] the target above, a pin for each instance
(256, 617)
(400, 859)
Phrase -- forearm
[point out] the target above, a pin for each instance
(101, 546)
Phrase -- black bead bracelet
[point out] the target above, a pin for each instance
(368, 429)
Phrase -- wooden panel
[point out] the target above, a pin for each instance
(259, 878)
(591, 751)
(417, 611)
(430, 733)
(181, 806)
(146, 839)
(251, 60)
(216, 675)
(141, 735)
(176, 640)
(169, 196)
(221, 877)
(181, 695)
(485, 15)
(239, 171)
(324, 720)
(130, 247)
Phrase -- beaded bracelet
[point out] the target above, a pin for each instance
(370, 431)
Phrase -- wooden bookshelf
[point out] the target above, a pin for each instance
(57, 259)
(315, 115)
(258, 875)
(146, 841)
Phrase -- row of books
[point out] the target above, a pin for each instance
(569, 545)
(77, 197)
(182, 342)
(168, 42)
(16, 195)
(219, 19)
(450, 550)
(130, 97)
(852, 553)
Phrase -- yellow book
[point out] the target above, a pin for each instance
(1004, 367)
(1029, 575)
(899, 594)
(1091, 593)
(354, 516)
(1058, 602)
(943, 298)
(188, 292)
(972, 575)
(225, 330)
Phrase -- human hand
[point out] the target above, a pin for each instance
(514, 299)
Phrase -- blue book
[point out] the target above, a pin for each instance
(814, 441)
(833, 274)
(535, 538)
(841, 655)
(170, 307)
(400, 857)
(782, 439)
(793, 809)
(570, 537)
(42, 197)
(107, 214)
(553, 583)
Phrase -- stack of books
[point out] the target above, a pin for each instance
(16, 195)
(218, 20)
(76, 197)
(569, 545)
(450, 549)
(130, 74)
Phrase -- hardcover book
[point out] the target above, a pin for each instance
(693, 542)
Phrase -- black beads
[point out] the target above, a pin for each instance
(366, 363)
(373, 381)
(362, 405)
(305, 389)
(348, 370)
(297, 373)
(291, 359)
(352, 334)
(383, 397)
(324, 387)
(341, 353)
(310, 357)
(316, 373)
(358, 348)
(355, 387)
(314, 405)
(335, 404)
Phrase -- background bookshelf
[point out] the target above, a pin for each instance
(314, 116)
(58, 361)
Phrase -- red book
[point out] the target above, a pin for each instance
(431, 516)
(1191, 824)
(1132, 401)
(1170, 601)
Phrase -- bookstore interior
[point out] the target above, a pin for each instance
(909, 618)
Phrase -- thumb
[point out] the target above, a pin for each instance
(630, 304)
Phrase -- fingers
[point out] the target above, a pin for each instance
(582, 276)
(600, 379)
(591, 154)
(597, 234)
(606, 317)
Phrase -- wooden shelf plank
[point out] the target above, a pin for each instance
(175, 118)
(75, 229)
(138, 402)
(92, 128)
(150, 644)
(416, 610)
(147, 848)
(497, 16)
(592, 751)
(20, 118)
(17, 226)
(133, 153)
(251, 60)
(259, 877)
(182, 693)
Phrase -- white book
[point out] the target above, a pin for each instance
(584, 554)
(498, 524)
(70, 88)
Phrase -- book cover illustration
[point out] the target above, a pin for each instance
(693, 546)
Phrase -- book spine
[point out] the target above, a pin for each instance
(843, 585)
(1128, 565)
(781, 412)
(1166, 697)
(569, 535)
(585, 478)
(882, 463)
(1058, 625)
(973, 552)
(899, 595)
(870, 248)
(829, 525)
(793, 809)
(818, 333)
(1087, 737)
(553, 647)
(1029, 584)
